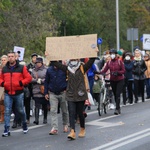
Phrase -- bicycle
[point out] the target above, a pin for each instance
(105, 97)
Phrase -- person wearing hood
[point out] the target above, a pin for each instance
(139, 68)
(117, 71)
(147, 74)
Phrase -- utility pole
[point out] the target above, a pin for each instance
(117, 25)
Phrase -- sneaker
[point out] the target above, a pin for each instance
(45, 121)
(40, 112)
(148, 97)
(53, 132)
(31, 113)
(12, 115)
(25, 128)
(65, 128)
(111, 106)
(116, 112)
(6, 132)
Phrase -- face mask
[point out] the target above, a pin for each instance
(74, 62)
(127, 57)
(113, 56)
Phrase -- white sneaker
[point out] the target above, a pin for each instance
(12, 115)
(40, 112)
(111, 106)
(31, 113)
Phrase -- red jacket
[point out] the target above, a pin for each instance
(115, 65)
(13, 79)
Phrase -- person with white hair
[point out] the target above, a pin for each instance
(139, 68)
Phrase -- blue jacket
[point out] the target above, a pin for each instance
(55, 81)
(91, 71)
(128, 67)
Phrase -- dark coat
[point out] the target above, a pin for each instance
(128, 67)
(55, 81)
(76, 90)
(139, 67)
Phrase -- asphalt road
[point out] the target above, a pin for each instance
(128, 131)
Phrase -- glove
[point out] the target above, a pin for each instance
(30, 70)
(115, 73)
(39, 81)
(20, 83)
(96, 72)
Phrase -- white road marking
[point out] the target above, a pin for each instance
(33, 127)
(99, 122)
(124, 138)
(128, 141)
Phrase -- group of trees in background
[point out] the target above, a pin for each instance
(27, 23)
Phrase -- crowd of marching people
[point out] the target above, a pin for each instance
(66, 85)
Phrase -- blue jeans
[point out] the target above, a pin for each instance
(19, 105)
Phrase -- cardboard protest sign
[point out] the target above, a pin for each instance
(20, 51)
(71, 47)
(1, 92)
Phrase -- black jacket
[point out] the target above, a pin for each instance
(139, 67)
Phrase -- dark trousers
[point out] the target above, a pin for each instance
(42, 101)
(147, 83)
(96, 96)
(76, 108)
(27, 107)
(130, 90)
(117, 87)
(139, 88)
(124, 92)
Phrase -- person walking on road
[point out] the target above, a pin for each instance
(117, 71)
(128, 63)
(147, 74)
(55, 90)
(38, 78)
(76, 93)
(30, 67)
(139, 68)
(13, 78)
(4, 60)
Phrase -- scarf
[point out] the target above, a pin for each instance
(138, 58)
(73, 68)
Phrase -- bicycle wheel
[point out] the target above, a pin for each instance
(99, 111)
(106, 104)
(100, 104)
